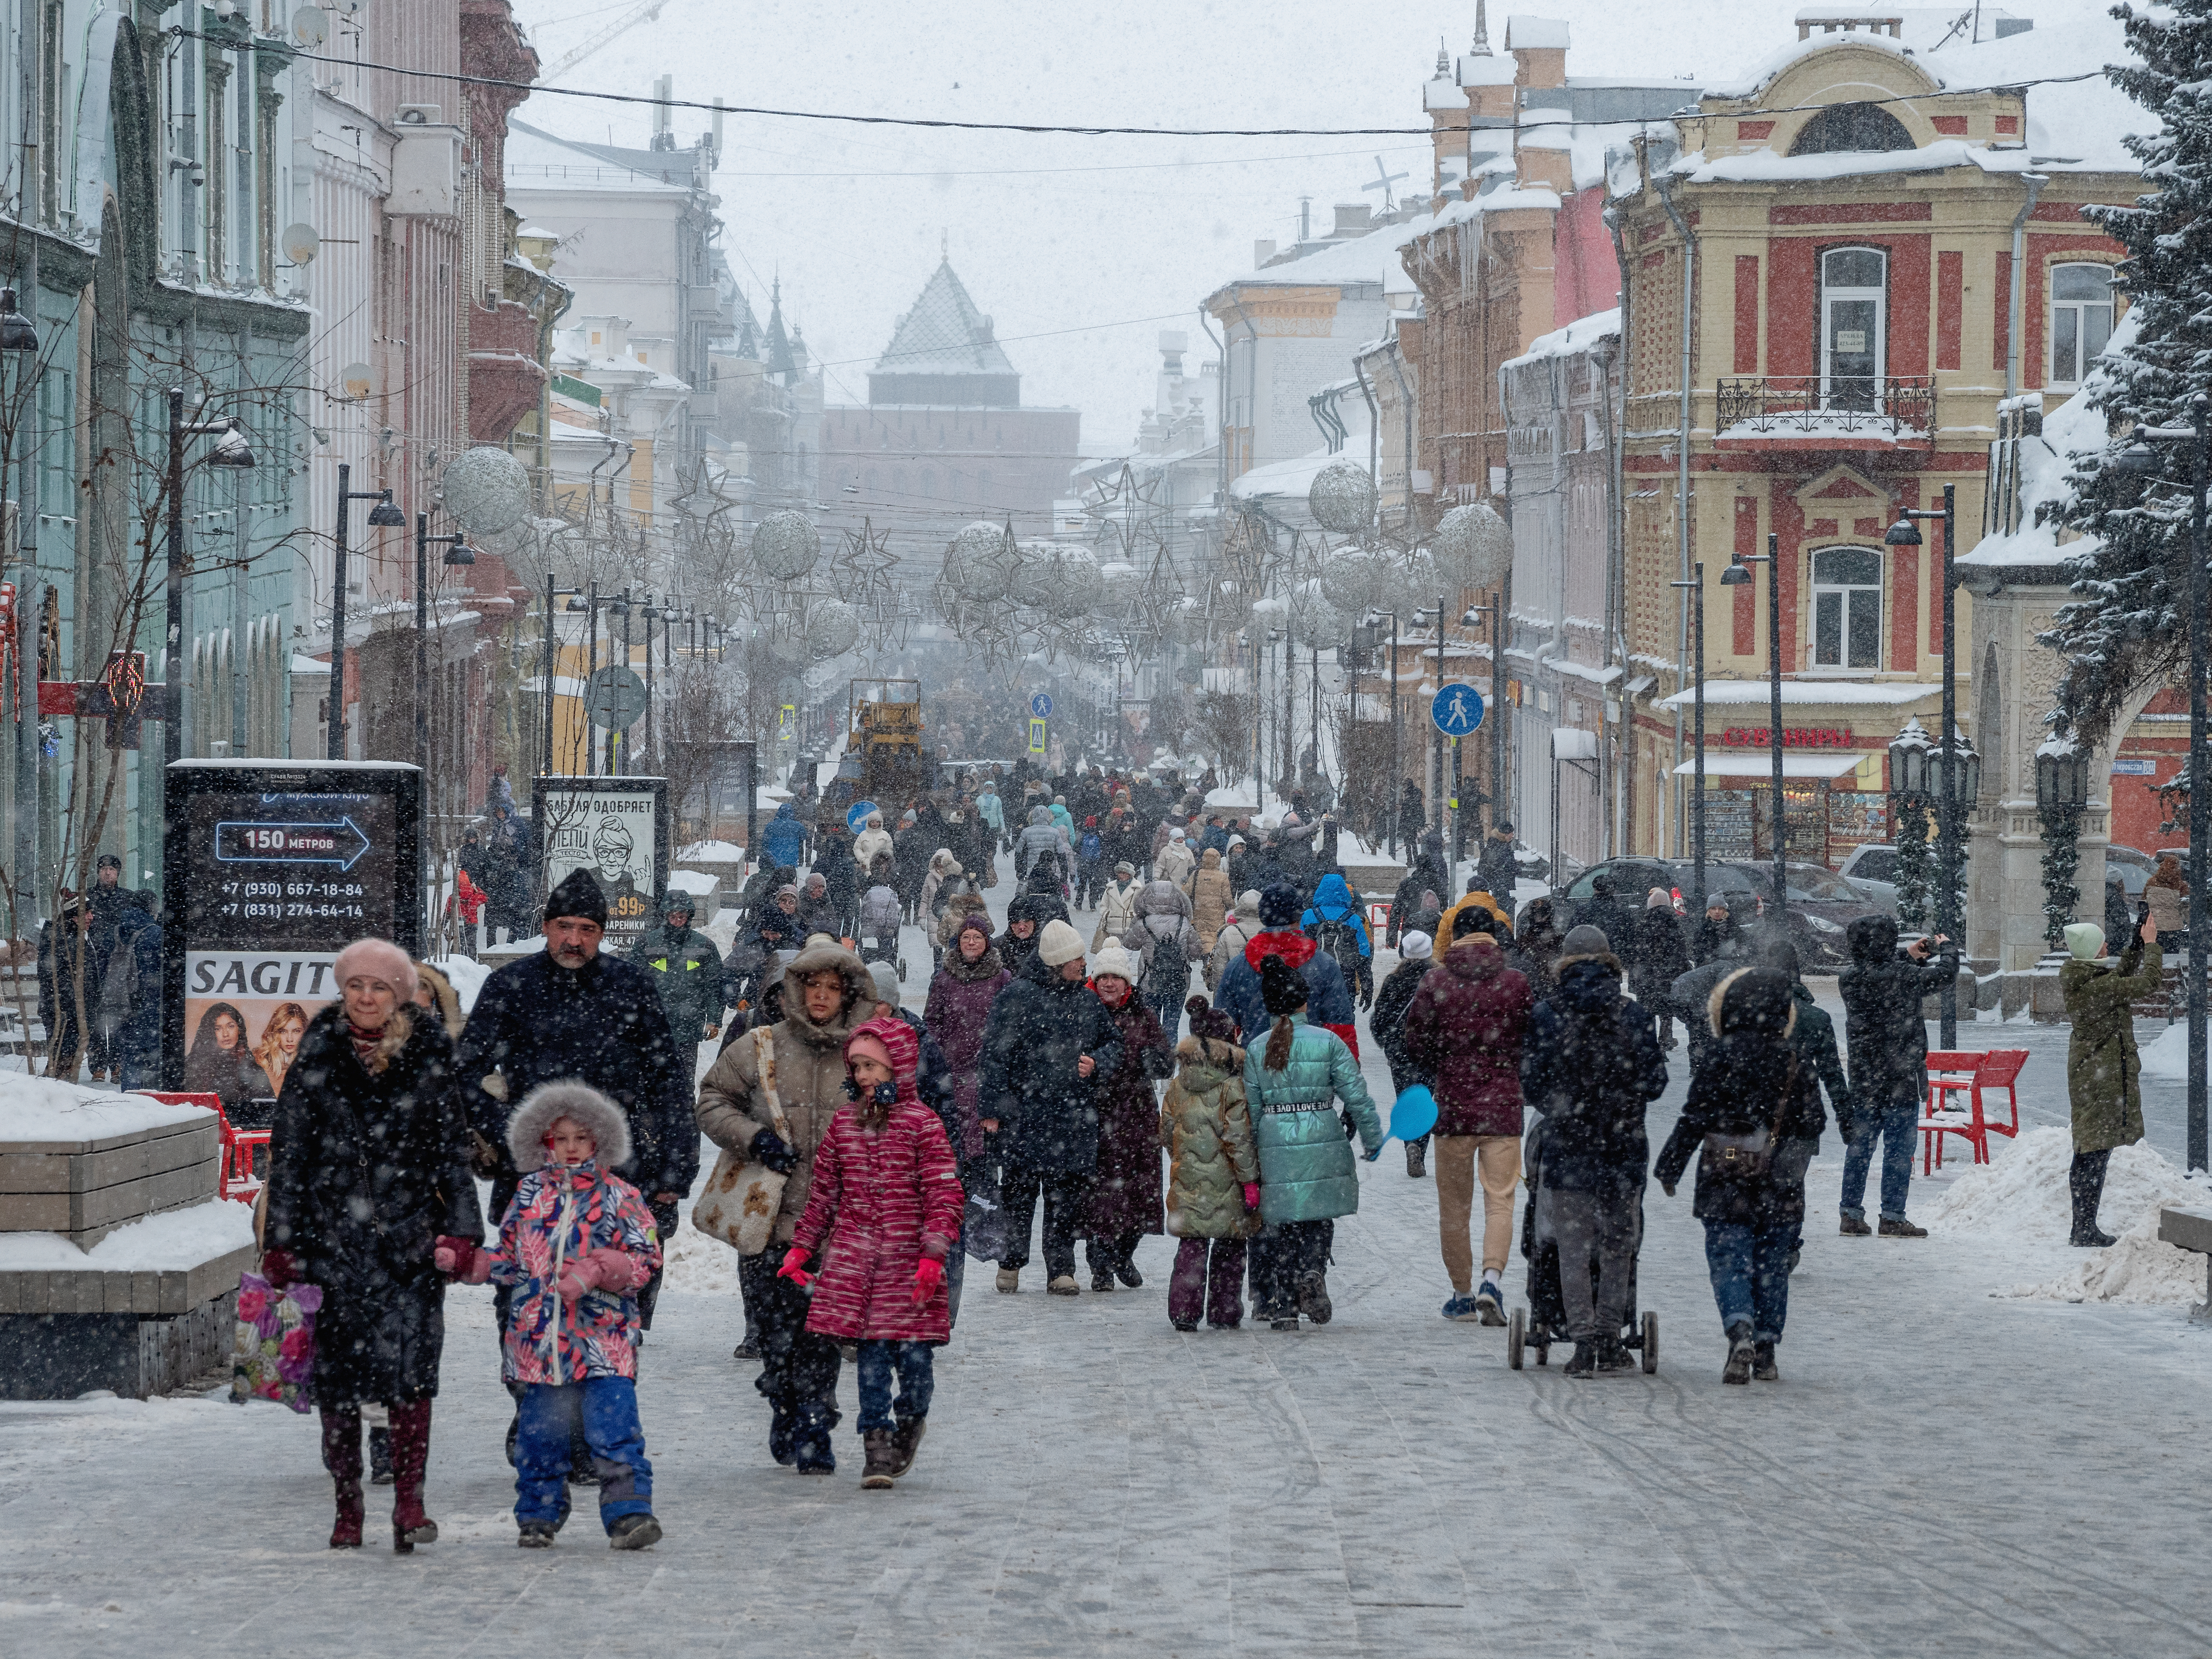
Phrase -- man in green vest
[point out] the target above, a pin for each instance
(688, 970)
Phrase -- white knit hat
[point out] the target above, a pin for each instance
(1059, 945)
(1416, 946)
(2084, 940)
(1116, 959)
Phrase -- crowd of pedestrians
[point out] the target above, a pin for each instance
(1024, 1104)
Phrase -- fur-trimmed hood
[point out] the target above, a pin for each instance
(527, 1127)
(1758, 997)
(1213, 1053)
(860, 994)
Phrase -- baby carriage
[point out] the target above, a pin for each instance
(877, 935)
(1544, 1321)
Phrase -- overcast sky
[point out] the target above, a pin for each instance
(1084, 241)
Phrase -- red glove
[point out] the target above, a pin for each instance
(794, 1267)
(928, 1279)
(455, 1256)
(278, 1267)
(1252, 1195)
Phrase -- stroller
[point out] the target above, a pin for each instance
(877, 935)
(1544, 1321)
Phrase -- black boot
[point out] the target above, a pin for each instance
(1416, 1159)
(1313, 1298)
(1763, 1368)
(1738, 1368)
(380, 1457)
(1583, 1365)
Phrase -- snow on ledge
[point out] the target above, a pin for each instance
(175, 1241)
(41, 1109)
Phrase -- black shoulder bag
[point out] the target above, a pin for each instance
(1742, 1160)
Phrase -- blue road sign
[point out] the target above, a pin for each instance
(856, 815)
(1040, 705)
(1457, 710)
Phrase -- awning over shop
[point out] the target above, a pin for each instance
(1760, 764)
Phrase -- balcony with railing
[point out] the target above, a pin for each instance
(1812, 412)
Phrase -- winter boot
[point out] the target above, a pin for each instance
(1064, 1285)
(809, 1440)
(1898, 1227)
(1738, 1368)
(1126, 1271)
(1010, 1280)
(906, 1441)
(634, 1532)
(380, 1457)
(876, 1475)
(747, 1349)
(1284, 1323)
(1763, 1368)
(1102, 1280)
(1417, 1159)
(1613, 1358)
(411, 1456)
(341, 1458)
(1583, 1365)
(1855, 1227)
(536, 1535)
(2095, 1239)
(1313, 1298)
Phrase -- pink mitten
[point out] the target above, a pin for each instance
(1251, 1195)
(794, 1267)
(577, 1280)
(618, 1271)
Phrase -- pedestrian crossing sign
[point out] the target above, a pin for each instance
(1036, 737)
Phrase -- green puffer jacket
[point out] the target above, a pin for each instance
(1209, 1135)
(1306, 1169)
(2103, 1075)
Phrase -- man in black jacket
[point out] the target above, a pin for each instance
(570, 1013)
(1426, 875)
(1886, 1040)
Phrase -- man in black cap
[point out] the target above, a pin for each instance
(568, 1013)
(687, 968)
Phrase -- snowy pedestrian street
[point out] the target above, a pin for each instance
(1941, 1470)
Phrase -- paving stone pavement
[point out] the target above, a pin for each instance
(1939, 1473)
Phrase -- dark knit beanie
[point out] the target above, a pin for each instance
(1279, 905)
(1282, 987)
(976, 922)
(579, 894)
(1207, 1021)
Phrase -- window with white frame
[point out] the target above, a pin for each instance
(2080, 319)
(1847, 608)
(1854, 321)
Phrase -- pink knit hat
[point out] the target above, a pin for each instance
(377, 958)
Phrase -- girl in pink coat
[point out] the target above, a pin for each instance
(884, 1212)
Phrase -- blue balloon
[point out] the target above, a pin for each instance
(1414, 1115)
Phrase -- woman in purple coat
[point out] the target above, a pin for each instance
(1125, 1198)
(959, 1005)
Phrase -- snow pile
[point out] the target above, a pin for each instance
(691, 881)
(696, 1265)
(2167, 1058)
(173, 1242)
(714, 852)
(2022, 1197)
(467, 976)
(41, 1109)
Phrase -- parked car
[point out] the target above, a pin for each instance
(1632, 878)
(1872, 869)
(1818, 904)
(2133, 866)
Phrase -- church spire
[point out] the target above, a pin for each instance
(1481, 29)
(1443, 60)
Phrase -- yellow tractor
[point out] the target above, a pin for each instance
(884, 759)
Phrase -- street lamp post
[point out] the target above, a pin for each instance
(19, 338)
(232, 451)
(383, 516)
(2141, 460)
(1738, 575)
(1907, 533)
(1698, 748)
(458, 552)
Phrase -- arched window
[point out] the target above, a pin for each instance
(1847, 608)
(1851, 126)
(2080, 319)
(1854, 322)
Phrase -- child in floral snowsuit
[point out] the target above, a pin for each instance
(575, 1245)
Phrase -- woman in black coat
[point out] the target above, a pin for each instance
(1661, 956)
(368, 1170)
(1740, 1104)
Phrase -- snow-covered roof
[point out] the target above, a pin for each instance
(1750, 85)
(1526, 33)
(1487, 70)
(1370, 258)
(537, 160)
(1877, 692)
(1762, 166)
(1576, 337)
(2071, 430)
(1441, 94)
(944, 334)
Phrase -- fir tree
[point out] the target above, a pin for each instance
(2128, 625)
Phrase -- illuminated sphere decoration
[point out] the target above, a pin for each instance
(786, 545)
(1342, 498)
(486, 489)
(832, 629)
(977, 567)
(1314, 622)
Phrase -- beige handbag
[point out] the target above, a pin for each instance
(742, 1199)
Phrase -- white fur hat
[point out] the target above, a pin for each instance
(527, 1127)
(1118, 960)
(1059, 945)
